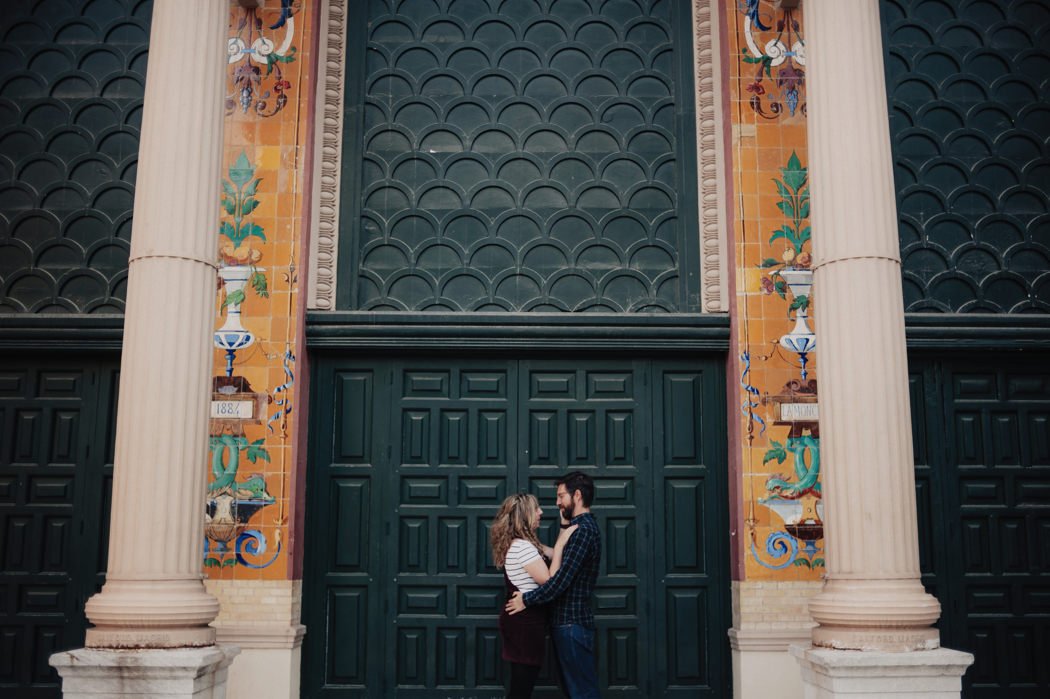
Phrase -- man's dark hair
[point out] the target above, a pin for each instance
(578, 480)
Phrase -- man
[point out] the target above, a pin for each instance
(570, 589)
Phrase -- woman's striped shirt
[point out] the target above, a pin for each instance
(519, 555)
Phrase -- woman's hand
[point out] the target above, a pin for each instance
(563, 536)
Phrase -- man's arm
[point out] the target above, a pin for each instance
(572, 559)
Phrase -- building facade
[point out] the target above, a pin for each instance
(466, 245)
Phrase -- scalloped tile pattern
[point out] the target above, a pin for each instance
(969, 92)
(72, 76)
(519, 156)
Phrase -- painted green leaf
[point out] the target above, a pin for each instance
(782, 189)
(229, 206)
(802, 562)
(818, 562)
(770, 262)
(235, 297)
(248, 229)
(249, 205)
(776, 451)
(786, 208)
(800, 302)
(786, 232)
(249, 191)
(794, 174)
(228, 189)
(804, 213)
(803, 236)
(211, 562)
(241, 171)
(258, 282)
(226, 228)
(229, 562)
(780, 286)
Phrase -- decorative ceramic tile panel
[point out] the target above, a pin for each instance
(252, 411)
(776, 346)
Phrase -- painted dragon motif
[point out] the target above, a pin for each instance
(807, 477)
(224, 470)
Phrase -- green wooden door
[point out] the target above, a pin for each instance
(983, 449)
(56, 426)
(411, 460)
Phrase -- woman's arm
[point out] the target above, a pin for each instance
(537, 570)
(559, 548)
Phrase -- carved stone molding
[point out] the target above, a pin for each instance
(324, 247)
(711, 185)
(252, 635)
(709, 156)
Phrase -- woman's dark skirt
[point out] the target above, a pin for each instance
(524, 634)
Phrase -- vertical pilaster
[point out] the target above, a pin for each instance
(873, 598)
(154, 596)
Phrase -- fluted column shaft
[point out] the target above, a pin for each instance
(154, 595)
(872, 598)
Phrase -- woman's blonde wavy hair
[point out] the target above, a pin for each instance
(513, 521)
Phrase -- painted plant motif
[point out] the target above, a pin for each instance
(252, 51)
(781, 59)
(792, 272)
(238, 257)
(793, 496)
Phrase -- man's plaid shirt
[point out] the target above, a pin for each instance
(571, 587)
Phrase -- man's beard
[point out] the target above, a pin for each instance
(567, 511)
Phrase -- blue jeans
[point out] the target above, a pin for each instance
(579, 663)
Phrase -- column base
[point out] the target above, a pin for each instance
(892, 616)
(183, 673)
(151, 614)
(924, 674)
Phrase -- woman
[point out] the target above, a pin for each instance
(519, 553)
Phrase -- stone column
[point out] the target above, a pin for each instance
(154, 595)
(872, 598)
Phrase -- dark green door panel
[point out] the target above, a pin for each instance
(452, 466)
(56, 423)
(989, 485)
(690, 591)
(411, 460)
(593, 416)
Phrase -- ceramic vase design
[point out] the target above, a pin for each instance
(801, 340)
(232, 336)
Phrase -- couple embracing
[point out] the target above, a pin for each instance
(549, 588)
